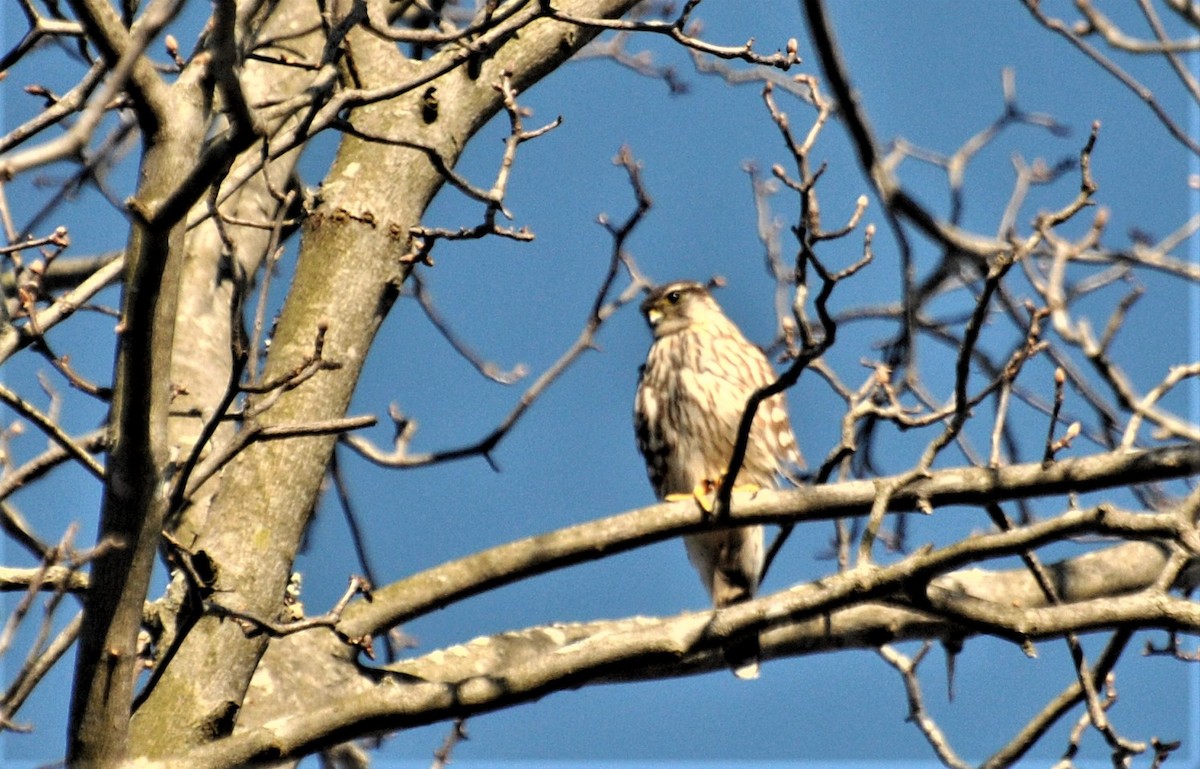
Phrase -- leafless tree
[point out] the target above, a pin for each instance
(219, 424)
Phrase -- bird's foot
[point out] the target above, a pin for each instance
(705, 493)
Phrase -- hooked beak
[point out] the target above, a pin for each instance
(654, 315)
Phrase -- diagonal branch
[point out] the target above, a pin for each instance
(47, 425)
(450, 582)
(129, 70)
(1178, 132)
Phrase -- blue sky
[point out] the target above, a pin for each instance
(929, 72)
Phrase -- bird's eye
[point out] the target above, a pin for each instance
(673, 297)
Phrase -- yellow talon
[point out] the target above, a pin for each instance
(705, 494)
(748, 489)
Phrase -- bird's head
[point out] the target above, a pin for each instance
(683, 304)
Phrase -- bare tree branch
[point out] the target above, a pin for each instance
(424, 591)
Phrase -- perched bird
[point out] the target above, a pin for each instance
(691, 394)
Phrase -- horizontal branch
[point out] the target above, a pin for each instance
(1093, 577)
(447, 583)
(499, 671)
(51, 579)
(675, 30)
(1157, 610)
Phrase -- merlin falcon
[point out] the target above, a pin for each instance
(698, 376)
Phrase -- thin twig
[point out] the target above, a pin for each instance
(602, 308)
